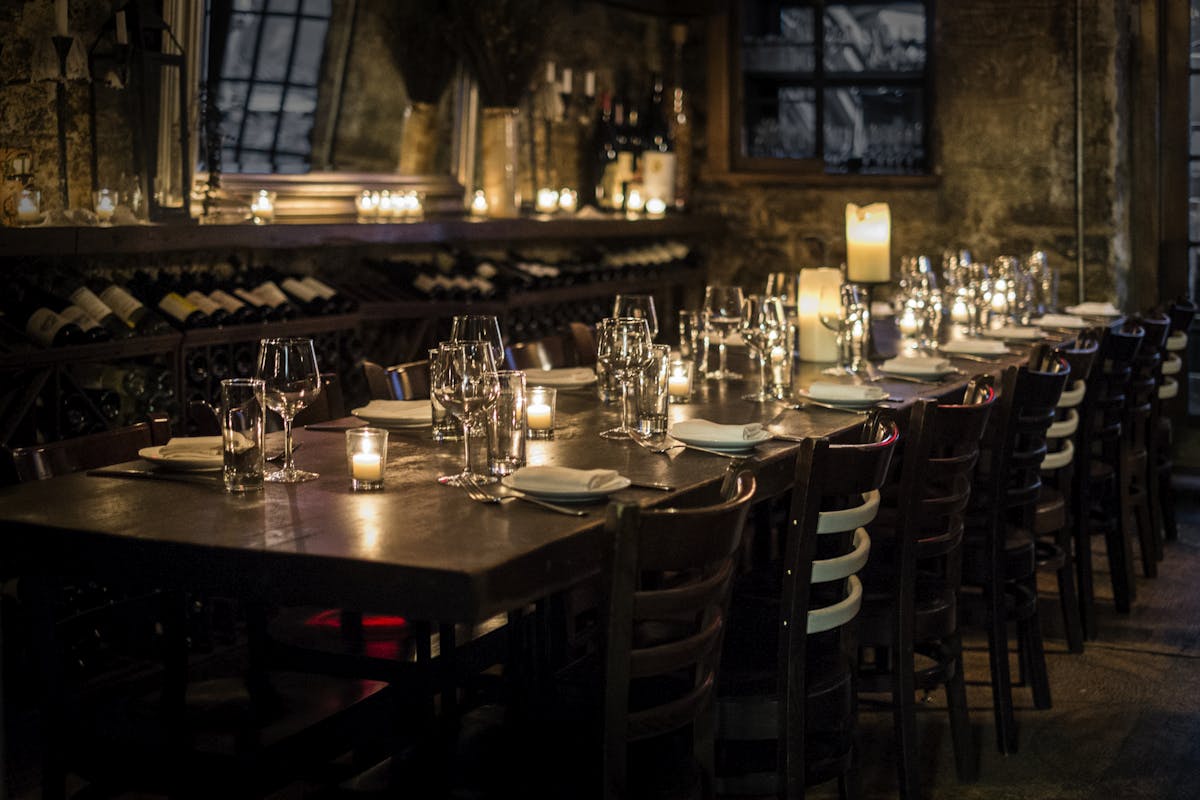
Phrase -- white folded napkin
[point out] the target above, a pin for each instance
(565, 376)
(978, 347)
(1014, 332)
(919, 365)
(715, 432)
(842, 392)
(1094, 309)
(192, 447)
(1062, 321)
(562, 479)
(396, 411)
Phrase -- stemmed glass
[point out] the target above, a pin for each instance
(479, 328)
(288, 368)
(785, 286)
(623, 347)
(465, 382)
(724, 307)
(840, 309)
(640, 306)
(764, 324)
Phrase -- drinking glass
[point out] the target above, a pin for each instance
(693, 340)
(481, 328)
(723, 305)
(843, 311)
(506, 426)
(785, 286)
(652, 387)
(623, 347)
(445, 427)
(465, 382)
(640, 306)
(764, 325)
(288, 369)
(242, 412)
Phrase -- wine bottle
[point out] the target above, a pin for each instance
(136, 316)
(74, 415)
(195, 366)
(244, 361)
(605, 144)
(107, 402)
(93, 331)
(658, 154)
(187, 287)
(269, 293)
(44, 326)
(341, 303)
(73, 287)
(305, 296)
(680, 118)
(219, 364)
(178, 310)
(128, 381)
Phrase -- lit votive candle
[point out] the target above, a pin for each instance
(262, 207)
(958, 312)
(539, 412)
(568, 200)
(366, 452)
(104, 203)
(384, 206)
(634, 202)
(411, 205)
(367, 205)
(679, 381)
(908, 323)
(547, 201)
(656, 207)
(479, 204)
(29, 207)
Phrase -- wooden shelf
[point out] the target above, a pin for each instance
(68, 241)
(101, 351)
(306, 326)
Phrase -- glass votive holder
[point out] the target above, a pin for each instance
(366, 455)
(29, 207)
(539, 411)
(546, 201)
(568, 200)
(367, 206)
(679, 381)
(262, 207)
(479, 204)
(104, 204)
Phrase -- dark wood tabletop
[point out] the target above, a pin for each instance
(415, 548)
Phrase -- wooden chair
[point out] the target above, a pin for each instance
(1181, 314)
(910, 586)
(379, 387)
(327, 405)
(583, 337)
(547, 353)
(38, 462)
(409, 381)
(999, 557)
(787, 710)
(1140, 501)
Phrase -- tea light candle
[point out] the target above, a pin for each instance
(634, 202)
(868, 243)
(105, 205)
(539, 412)
(679, 381)
(479, 204)
(29, 207)
(384, 207)
(367, 205)
(263, 207)
(958, 312)
(656, 207)
(568, 200)
(367, 467)
(547, 201)
(365, 451)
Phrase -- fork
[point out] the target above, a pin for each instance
(666, 449)
(477, 492)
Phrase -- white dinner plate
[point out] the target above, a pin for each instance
(872, 395)
(615, 485)
(917, 371)
(197, 463)
(1094, 310)
(1066, 321)
(565, 378)
(725, 445)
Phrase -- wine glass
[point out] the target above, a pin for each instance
(623, 347)
(464, 381)
(639, 306)
(840, 309)
(482, 328)
(785, 286)
(724, 307)
(764, 325)
(288, 368)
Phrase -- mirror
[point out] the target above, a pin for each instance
(306, 98)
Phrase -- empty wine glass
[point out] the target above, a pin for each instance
(623, 347)
(764, 325)
(479, 328)
(841, 310)
(639, 306)
(288, 368)
(724, 307)
(464, 380)
(785, 286)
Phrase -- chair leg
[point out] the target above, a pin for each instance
(1066, 594)
(1121, 541)
(905, 724)
(1082, 534)
(1166, 493)
(960, 722)
(1146, 536)
(1030, 633)
(1002, 703)
(1154, 503)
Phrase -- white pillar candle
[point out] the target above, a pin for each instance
(679, 385)
(367, 467)
(817, 343)
(868, 243)
(539, 416)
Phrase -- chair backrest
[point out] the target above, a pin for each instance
(547, 353)
(327, 405)
(1181, 313)
(583, 337)
(409, 381)
(379, 387)
(38, 462)
(696, 548)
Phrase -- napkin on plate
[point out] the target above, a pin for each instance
(716, 432)
(192, 447)
(826, 392)
(562, 480)
(1094, 309)
(981, 347)
(1062, 321)
(396, 411)
(923, 365)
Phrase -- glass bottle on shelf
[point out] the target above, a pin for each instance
(658, 161)
(680, 117)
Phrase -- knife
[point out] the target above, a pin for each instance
(177, 477)
(806, 402)
(662, 487)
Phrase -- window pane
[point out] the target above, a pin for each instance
(310, 49)
(265, 98)
(875, 129)
(1194, 201)
(276, 45)
(295, 131)
(284, 5)
(259, 131)
(877, 37)
(780, 121)
(318, 8)
(1195, 34)
(239, 47)
(782, 44)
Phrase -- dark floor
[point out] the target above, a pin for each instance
(1126, 716)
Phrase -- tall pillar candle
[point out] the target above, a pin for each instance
(818, 287)
(868, 243)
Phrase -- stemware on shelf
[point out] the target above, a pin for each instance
(723, 305)
(638, 306)
(288, 369)
(764, 329)
(479, 327)
(466, 384)
(623, 347)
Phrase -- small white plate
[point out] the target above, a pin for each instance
(1065, 321)
(197, 463)
(1094, 310)
(918, 371)
(726, 445)
(564, 378)
(588, 495)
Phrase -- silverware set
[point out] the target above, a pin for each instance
(476, 492)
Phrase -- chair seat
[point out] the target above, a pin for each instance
(1019, 557)
(1050, 513)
